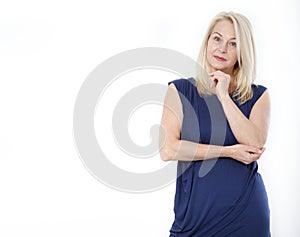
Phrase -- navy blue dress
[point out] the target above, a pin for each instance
(217, 197)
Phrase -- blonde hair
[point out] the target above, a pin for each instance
(244, 71)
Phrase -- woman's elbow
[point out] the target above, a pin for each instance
(257, 142)
(166, 153)
(261, 140)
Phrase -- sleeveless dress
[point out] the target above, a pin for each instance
(217, 197)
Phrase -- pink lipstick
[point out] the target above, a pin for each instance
(219, 58)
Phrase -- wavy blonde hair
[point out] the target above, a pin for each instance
(244, 71)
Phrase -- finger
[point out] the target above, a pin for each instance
(217, 73)
(253, 157)
(222, 75)
(214, 81)
(253, 149)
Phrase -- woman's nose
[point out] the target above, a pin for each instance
(222, 48)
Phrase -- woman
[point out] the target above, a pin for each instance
(216, 125)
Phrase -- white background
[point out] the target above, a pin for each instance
(47, 49)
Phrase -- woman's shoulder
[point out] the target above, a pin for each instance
(258, 91)
(183, 84)
(258, 87)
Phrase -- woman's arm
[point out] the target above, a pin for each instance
(252, 131)
(172, 148)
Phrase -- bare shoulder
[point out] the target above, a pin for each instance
(172, 97)
(264, 100)
(172, 87)
(261, 110)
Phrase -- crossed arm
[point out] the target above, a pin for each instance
(251, 133)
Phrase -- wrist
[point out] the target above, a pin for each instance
(226, 151)
(224, 97)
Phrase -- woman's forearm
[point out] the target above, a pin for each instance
(243, 129)
(190, 151)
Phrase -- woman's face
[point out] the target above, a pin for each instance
(221, 47)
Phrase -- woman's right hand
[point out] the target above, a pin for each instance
(245, 153)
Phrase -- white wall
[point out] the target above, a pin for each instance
(47, 49)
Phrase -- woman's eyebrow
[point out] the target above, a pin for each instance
(218, 33)
(222, 35)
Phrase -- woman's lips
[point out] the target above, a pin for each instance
(219, 58)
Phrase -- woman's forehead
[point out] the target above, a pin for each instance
(225, 29)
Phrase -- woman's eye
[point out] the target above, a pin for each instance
(233, 44)
(216, 38)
